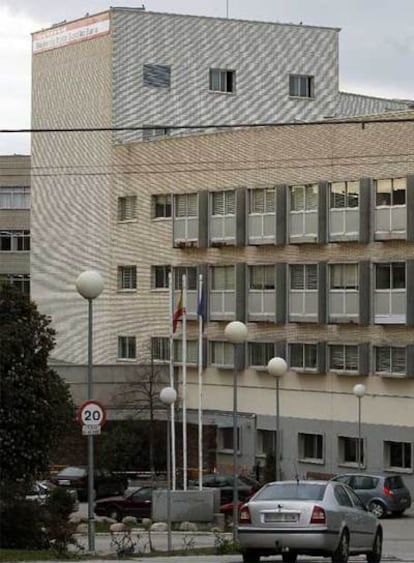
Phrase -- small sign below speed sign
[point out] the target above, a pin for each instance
(91, 413)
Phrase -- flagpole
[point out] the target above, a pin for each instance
(184, 342)
(172, 413)
(200, 382)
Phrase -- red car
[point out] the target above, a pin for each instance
(137, 502)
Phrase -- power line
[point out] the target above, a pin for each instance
(339, 121)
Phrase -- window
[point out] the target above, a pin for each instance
(342, 496)
(398, 455)
(21, 282)
(15, 197)
(14, 241)
(301, 86)
(266, 442)
(343, 357)
(390, 192)
(226, 438)
(161, 206)
(348, 450)
(310, 446)
(160, 349)
(390, 276)
(262, 277)
(304, 276)
(390, 360)
(190, 272)
(304, 198)
(344, 195)
(224, 203)
(157, 76)
(222, 80)
(127, 277)
(222, 278)
(303, 356)
(159, 276)
(127, 208)
(344, 276)
(151, 133)
(127, 348)
(186, 205)
(262, 200)
(260, 353)
(192, 352)
(222, 354)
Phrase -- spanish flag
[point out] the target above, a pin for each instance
(179, 312)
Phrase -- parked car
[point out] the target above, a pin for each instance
(224, 482)
(382, 494)
(320, 518)
(41, 490)
(135, 502)
(105, 482)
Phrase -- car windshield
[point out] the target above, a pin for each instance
(72, 472)
(292, 491)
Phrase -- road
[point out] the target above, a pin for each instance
(398, 543)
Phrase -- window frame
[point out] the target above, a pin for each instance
(17, 194)
(296, 84)
(223, 439)
(150, 78)
(123, 272)
(350, 442)
(166, 269)
(163, 344)
(304, 368)
(392, 191)
(403, 468)
(390, 350)
(16, 237)
(127, 344)
(316, 447)
(165, 206)
(344, 369)
(127, 208)
(267, 350)
(19, 281)
(212, 351)
(347, 185)
(221, 77)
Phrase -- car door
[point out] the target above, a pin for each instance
(350, 515)
(365, 522)
(364, 486)
(139, 504)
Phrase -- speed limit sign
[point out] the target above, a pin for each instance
(91, 413)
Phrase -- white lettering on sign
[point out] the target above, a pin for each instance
(73, 32)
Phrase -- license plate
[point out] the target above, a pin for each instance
(281, 517)
(64, 482)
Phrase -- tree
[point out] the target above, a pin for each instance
(35, 403)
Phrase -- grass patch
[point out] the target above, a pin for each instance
(27, 555)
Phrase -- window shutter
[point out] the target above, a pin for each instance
(322, 207)
(257, 201)
(240, 270)
(239, 356)
(280, 349)
(191, 205)
(311, 271)
(410, 290)
(311, 197)
(280, 288)
(297, 198)
(322, 297)
(280, 217)
(202, 202)
(410, 360)
(365, 210)
(364, 292)
(218, 203)
(181, 205)
(363, 350)
(230, 203)
(321, 346)
(297, 276)
(398, 360)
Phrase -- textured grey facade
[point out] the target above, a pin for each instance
(81, 220)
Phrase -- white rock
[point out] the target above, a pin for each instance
(118, 527)
(159, 527)
(188, 527)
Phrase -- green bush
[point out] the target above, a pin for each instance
(22, 525)
(60, 531)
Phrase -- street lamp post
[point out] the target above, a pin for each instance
(359, 391)
(278, 368)
(168, 396)
(236, 333)
(90, 285)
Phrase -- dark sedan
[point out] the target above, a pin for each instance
(105, 482)
(137, 502)
(224, 482)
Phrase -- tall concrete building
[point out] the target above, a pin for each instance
(15, 221)
(304, 231)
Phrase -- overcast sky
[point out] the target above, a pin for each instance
(376, 42)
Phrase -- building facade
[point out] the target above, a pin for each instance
(304, 231)
(15, 221)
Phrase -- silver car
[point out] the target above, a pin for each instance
(323, 518)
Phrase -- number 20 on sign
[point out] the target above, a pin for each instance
(91, 413)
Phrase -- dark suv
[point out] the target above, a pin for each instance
(382, 494)
(105, 483)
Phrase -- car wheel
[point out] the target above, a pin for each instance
(115, 514)
(289, 557)
(341, 553)
(374, 556)
(377, 508)
(250, 556)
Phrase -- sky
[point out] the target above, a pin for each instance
(376, 43)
